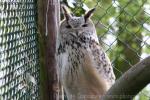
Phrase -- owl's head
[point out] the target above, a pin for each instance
(76, 25)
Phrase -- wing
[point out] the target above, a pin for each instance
(102, 63)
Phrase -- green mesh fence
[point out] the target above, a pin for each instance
(19, 61)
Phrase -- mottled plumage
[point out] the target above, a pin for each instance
(84, 69)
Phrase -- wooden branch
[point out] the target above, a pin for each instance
(131, 82)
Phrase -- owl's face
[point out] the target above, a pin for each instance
(74, 26)
(75, 22)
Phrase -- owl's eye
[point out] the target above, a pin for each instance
(84, 25)
(68, 26)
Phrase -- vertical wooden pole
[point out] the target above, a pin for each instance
(52, 25)
(49, 8)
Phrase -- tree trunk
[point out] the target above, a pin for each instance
(48, 25)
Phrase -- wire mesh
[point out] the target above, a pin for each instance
(123, 27)
(19, 61)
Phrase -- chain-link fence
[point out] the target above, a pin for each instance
(123, 27)
(19, 61)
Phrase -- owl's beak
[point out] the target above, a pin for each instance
(78, 34)
(75, 34)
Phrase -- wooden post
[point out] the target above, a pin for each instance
(48, 16)
(52, 29)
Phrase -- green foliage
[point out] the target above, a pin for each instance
(77, 7)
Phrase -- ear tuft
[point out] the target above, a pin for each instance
(89, 14)
(66, 13)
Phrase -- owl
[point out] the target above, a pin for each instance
(84, 70)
